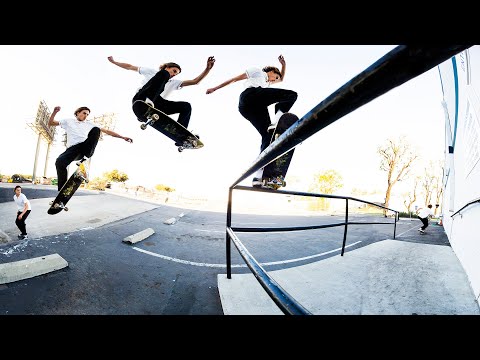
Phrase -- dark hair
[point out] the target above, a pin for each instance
(80, 109)
(169, 65)
(430, 206)
(274, 69)
(16, 187)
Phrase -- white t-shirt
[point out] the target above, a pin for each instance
(256, 77)
(20, 201)
(172, 84)
(425, 212)
(77, 131)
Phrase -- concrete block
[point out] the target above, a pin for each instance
(142, 235)
(25, 269)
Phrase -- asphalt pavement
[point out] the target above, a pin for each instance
(180, 269)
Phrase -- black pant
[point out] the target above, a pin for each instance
(21, 223)
(76, 152)
(154, 87)
(424, 222)
(253, 105)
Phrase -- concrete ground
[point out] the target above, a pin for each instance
(389, 277)
(413, 274)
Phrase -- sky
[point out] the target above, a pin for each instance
(71, 76)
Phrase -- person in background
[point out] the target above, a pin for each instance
(423, 215)
(23, 210)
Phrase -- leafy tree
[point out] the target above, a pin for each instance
(161, 187)
(115, 176)
(396, 159)
(325, 183)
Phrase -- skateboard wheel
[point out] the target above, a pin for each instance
(143, 126)
(155, 117)
(180, 148)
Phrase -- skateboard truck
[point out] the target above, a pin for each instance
(59, 206)
(151, 120)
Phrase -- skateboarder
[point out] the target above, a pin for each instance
(23, 210)
(255, 99)
(158, 84)
(82, 138)
(423, 215)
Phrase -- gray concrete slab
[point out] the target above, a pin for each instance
(384, 278)
(86, 211)
(28, 268)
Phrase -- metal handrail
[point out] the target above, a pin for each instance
(398, 66)
(465, 206)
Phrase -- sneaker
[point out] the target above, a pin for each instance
(24, 237)
(19, 236)
(83, 170)
(256, 182)
(82, 160)
(149, 102)
(422, 231)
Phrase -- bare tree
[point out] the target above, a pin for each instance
(396, 159)
(432, 183)
(411, 197)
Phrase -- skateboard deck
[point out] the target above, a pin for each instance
(67, 190)
(279, 167)
(166, 125)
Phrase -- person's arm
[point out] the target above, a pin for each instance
(125, 66)
(51, 120)
(284, 67)
(114, 134)
(225, 83)
(210, 62)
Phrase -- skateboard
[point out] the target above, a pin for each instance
(166, 125)
(68, 189)
(277, 169)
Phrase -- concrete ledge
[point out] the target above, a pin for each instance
(132, 239)
(170, 221)
(25, 269)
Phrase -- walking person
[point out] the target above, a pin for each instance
(23, 210)
(157, 85)
(82, 139)
(255, 99)
(423, 215)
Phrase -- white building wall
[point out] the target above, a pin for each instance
(460, 77)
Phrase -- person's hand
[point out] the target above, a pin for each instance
(128, 139)
(56, 109)
(210, 62)
(20, 217)
(110, 58)
(282, 60)
(209, 91)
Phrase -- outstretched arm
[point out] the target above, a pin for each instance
(114, 134)
(210, 63)
(232, 80)
(52, 121)
(284, 66)
(123, 65)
